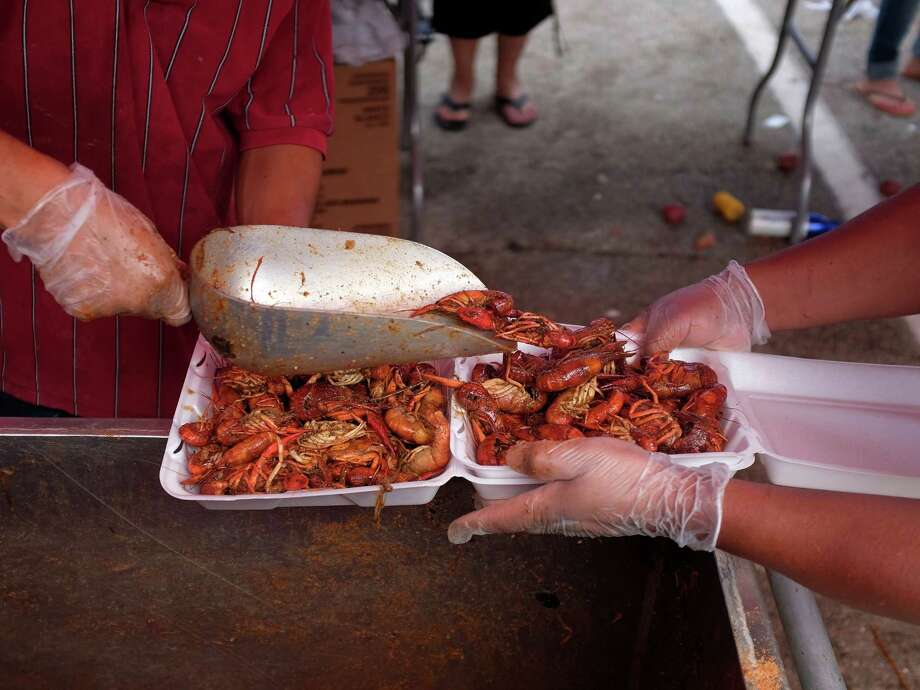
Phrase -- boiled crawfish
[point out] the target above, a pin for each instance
(578, 368)
(262, 435)
(483, 410)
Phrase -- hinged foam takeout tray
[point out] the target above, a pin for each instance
(829, 425)
(196, 392)
(837, 426)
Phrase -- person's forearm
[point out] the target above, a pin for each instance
(25, 176)
(864, 550)
(277, 185)
(867, 268)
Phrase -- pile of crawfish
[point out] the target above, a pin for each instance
(349, 428)
(582, 386)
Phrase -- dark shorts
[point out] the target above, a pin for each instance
(478, 18)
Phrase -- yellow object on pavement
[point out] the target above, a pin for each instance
(730, 208)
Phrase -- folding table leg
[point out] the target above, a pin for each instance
(411, 134)
(811, 649)
(784, 32)
(838, 7)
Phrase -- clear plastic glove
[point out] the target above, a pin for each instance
(722, 312)
(603, 487)
(98, 255)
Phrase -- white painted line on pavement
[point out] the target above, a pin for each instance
(853, 185)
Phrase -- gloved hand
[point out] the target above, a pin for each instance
(722, 312)
(98, 255)
(605, 487)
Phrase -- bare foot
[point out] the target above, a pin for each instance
(886, 95)
(912, 69)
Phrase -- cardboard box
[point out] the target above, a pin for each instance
(360, 184)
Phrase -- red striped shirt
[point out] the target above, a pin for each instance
(157, 98)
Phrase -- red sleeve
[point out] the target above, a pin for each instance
(289, 100)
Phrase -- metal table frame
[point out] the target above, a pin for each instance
(411, 125)
(818, 64)
(755, 641)
(809, 644)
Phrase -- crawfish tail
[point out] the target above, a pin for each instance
(443, 380)
(248, 449)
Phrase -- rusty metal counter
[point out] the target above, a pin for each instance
(107, 582)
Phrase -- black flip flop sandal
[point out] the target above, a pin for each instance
(518, 104)
(454, 107)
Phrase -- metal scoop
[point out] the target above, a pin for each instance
(281, 300)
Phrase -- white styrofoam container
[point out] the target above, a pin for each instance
(196, 392)
(835, 426)
(501, 488)
(815, 424)
(738, 453)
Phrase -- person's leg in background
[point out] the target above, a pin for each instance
(464, 22)
(515, 21)
(461, 82)
(912, 68)
(516, 109)
(881, 88)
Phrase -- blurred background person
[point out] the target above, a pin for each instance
(466, 22)
(880, 87)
